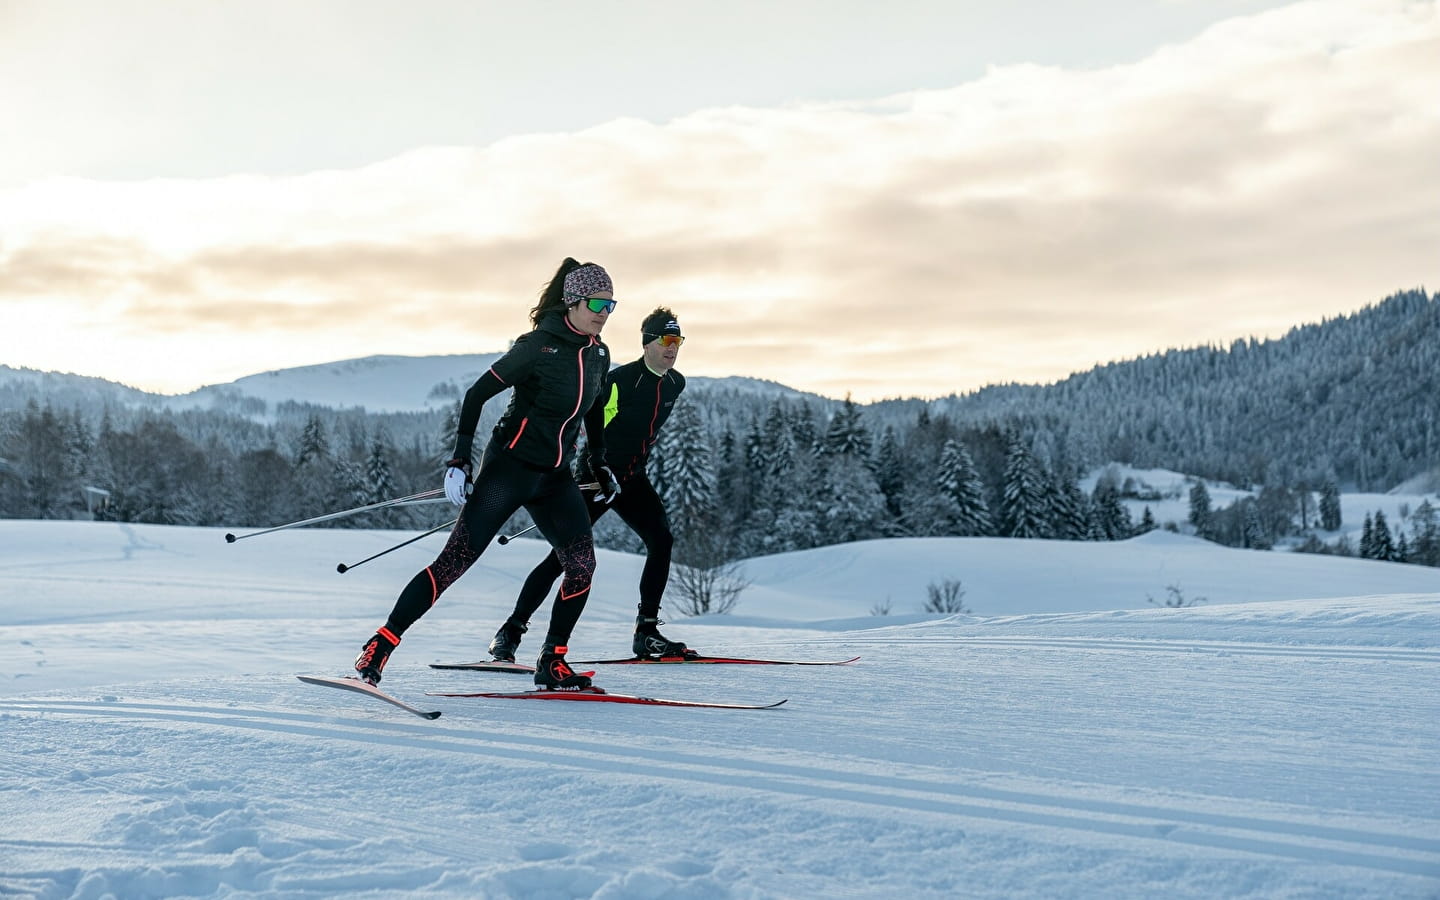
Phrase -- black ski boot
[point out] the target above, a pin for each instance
(553, 673)
(507, 641)
(373, 656)
(649, 642)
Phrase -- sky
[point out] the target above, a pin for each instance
(1063, 737)
(901, 199)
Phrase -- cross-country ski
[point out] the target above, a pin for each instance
(500, 665)
(351, 683)
(599, 695)
(722, 660)
(488, 665)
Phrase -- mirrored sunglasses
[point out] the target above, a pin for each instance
(667, 340)
(598, 305)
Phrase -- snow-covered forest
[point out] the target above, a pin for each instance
(1348, 404)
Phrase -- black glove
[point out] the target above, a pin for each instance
(584, 472)
(608, 484)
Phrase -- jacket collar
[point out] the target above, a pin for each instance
(555, 323)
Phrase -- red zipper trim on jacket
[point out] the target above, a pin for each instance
(579, 394)
(523, 422)
(656, 413)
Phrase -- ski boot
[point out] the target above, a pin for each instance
(507, 641)
(553, 673)
(373, 656)
(650, 643)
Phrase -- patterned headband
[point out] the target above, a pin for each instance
(584, 281)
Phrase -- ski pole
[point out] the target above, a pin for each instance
(342, 568)
(423, 495)
(507, 538)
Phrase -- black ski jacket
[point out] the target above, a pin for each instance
(638, 403)
(558, 374)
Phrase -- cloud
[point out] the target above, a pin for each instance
(1276, 169)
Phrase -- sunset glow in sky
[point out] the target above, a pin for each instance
(909, 200)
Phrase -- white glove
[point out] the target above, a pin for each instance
(457, 481)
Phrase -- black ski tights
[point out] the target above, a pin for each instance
(503, 486)
(640, 507)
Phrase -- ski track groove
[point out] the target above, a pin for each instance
(1223, 648)
(1248, 834)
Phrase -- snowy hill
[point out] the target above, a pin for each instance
(1065, 738)
(1004, 577)
(380, 384)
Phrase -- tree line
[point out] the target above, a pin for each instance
(787, 481)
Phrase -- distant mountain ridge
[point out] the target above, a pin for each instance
(379, 384)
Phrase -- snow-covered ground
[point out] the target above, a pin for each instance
(1064, 738)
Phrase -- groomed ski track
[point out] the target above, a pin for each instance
(1040, 736)
(918, 791)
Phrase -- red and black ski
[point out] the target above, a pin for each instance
(499, 666)
(723, 660)
(599, 695)
(351, 683)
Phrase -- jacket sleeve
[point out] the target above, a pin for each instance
(485, 387)
(518, 361)
(507, 370)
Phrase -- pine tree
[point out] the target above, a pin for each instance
(1023, 506)
(958, 480)
(757, 449)
(847, 435)
(780, 465)
(798, 523)
(1201, 515)
(1425, 529)
(1075, 512)
(1114, 518)
(850, 499)
(804, 429)
(733, 489)
(79, 446)
(1252, 529)
(347, 490)
(890, 472)
(688, 482)
(1330, 506)
(1382, 545)
(1367, 539)
(313, 442)
(380, 481)
(1147, 521)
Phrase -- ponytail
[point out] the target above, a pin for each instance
(552, 296)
